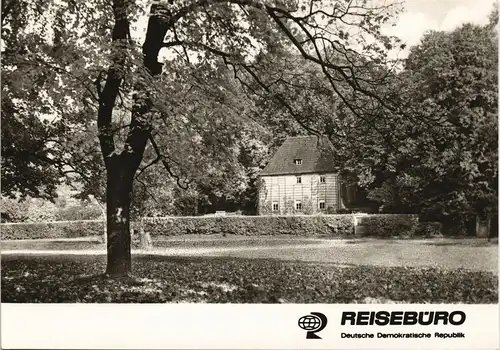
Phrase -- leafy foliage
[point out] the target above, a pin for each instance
(429, 229)
(437, 154)
(66, 206)
(28, 210)
(47, 93)
(84, 211)
(25, 151)
(457, 87)
(225, 280)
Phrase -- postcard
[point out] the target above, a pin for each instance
(238, 174)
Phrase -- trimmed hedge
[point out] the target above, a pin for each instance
(429, 229)
(63, 229)
(383, 225)
(326, 225)
(300, 225)
(389, 225)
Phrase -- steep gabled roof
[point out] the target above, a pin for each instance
(316, 155)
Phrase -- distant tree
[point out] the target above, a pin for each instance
(454, 78)
(26, 151)
(437, 154)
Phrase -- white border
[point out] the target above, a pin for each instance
(226, 326)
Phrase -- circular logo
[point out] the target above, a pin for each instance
(310, 323)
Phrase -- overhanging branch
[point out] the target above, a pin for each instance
(161, 158)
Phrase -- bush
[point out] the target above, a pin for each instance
(300, 225)
(63, 229)
(388, 225)
(79, 212)
(429, 229)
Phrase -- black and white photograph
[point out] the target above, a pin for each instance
(249, 152)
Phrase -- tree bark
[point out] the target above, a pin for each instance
(118, 198)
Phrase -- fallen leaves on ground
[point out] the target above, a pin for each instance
(162, 279)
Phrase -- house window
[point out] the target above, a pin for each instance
(299, 179)
(275, 206)
(322, 205)
(298, 161)
(298, 205)
(322, 179)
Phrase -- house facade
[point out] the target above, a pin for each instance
(301, 178)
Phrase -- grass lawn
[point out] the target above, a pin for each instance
(191, 241)
(243, 269)
(473, 254)
(477, 255)
(160, 279)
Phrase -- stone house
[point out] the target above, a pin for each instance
(301, 178)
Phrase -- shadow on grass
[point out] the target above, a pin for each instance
(166, 242)
(356, 241)
(221, 243)
(216, 279)
(51, 245)
(140, 258)
(469, 243)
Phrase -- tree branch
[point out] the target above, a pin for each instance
(156, 160)
(159, 155)
(114, 77)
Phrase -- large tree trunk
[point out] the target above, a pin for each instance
(118, 200)
(121, 166)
